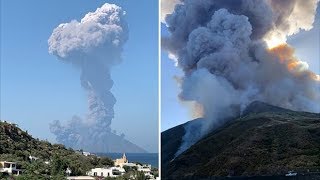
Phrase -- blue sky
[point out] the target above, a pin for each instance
(173, 113)
(36, 88)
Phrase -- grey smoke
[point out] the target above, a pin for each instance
(167, 8)
(222, 47)
(93, 45)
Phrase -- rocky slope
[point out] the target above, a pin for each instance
(265, 140)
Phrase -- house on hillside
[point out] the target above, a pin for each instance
(33, 158)
(86, 153)
(68, 171)
(10, 168)
(106, 172)
(80, 178)
(149, 175)
(130, 164)
(146, 168)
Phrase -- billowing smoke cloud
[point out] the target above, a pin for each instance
(94, 45)
(290, 16)
(167, 7)
(223, 47)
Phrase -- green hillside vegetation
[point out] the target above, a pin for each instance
(266, 140)
(17, 145)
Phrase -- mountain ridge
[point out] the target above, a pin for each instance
(260, 107)
(265, 140)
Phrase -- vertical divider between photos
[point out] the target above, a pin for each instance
(159, 87)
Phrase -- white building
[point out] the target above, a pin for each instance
(33, 158)
(146, 168)
(149, 175)
(106, 172)
(68, 171)
(10, 168)
(86, 153)
(130, 164)
(80, 178)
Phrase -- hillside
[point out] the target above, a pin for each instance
(17, 145)
(266, 140)
(171, 140)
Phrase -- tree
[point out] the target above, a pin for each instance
(126, 168)
(58, 177)
(106, 161)
(4, 175)
(58, 165)
(140, 175)
(130, 168)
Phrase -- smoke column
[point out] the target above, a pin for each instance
(93, 45)
(234, 52)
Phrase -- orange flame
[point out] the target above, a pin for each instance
(285, 54)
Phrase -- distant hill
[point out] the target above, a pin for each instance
(112, 143)
(17, 145)
(265, 140)
(89, 139)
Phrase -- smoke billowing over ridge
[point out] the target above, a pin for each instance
(93, 45)
(234, 52)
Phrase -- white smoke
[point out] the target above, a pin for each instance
(93, 45)
(290, 17)
(221, 47)
(207, 89)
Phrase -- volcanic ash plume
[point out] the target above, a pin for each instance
(94, 45)
(231, 55)
(167, 8)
